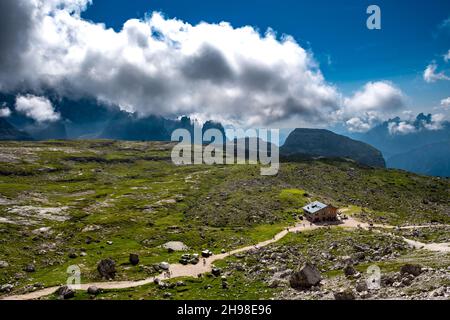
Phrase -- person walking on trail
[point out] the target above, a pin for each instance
(204, 262)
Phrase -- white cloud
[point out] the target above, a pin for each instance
(169, 67)
(37, 108)
(381, 95)
(375, 102)
(447, 56)
(445, 103)
(436, 122)
(430, 74)
(422, 122)
(401, 128)
(5, 112)
(357, 125)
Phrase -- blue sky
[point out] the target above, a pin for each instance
(335, 31)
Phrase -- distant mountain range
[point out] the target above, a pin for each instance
(416, 150)
(324, 143)
(432, 159)
(9, 132)
(89, 119)
(423, 149)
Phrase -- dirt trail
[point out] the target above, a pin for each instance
(206, 265)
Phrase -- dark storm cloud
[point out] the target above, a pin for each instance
(208, 64)
(16, 24)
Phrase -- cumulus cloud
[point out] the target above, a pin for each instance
(436, 123)
(445, 103)
(37, 108)
(447, 56)
(401, 127)
(420, 123)
(168, 67)
(367, 107)
(430, 75)
(380, 96)
(5, 112)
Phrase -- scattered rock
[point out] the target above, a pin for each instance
(4, 264)
(134, 259)
(107, 269)
(42, 231)
(73, 255)
(180, 284)
(90, 228)
(65, 292)
(306, 277)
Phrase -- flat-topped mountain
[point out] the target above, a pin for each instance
(324, 143)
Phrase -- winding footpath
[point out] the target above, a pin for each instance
(179, 270)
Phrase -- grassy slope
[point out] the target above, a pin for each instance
(139, 201)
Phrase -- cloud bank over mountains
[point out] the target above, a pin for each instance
(38, 108)
(168, 67)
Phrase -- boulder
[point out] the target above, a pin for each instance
(107, 269)
(346, 294)
(6, 288)
(29, 268)
(361, 286)
(65, 292)
(349, 270)
(3, 264)
(134, 259)
(413, 269)
(93, 290)
(216, 272)
(164, 266)
(306, 277)
(172, 246)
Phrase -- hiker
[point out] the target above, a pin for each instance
(204, 262)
